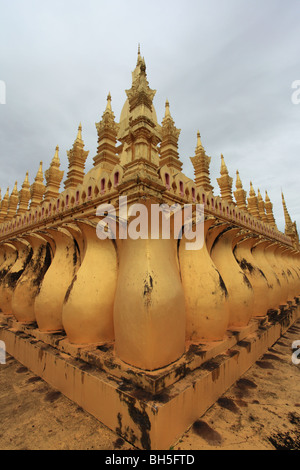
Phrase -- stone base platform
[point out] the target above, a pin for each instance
(151, 410)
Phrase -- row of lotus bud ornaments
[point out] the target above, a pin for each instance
(148, 296)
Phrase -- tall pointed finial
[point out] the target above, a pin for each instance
(108, 105)
(199, 143)
(287, 217)
(139, 57)
(40, 176)
(79, 135)
(167, 108)
(251, 192)
(15, 190)
(24, 196)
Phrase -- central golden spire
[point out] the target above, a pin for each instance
(140, 93)
(139, 133)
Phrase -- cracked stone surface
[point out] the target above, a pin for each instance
(35, 416)
(260, 411)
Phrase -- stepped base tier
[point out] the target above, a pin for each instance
(151, 410)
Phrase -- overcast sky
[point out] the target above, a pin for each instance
(226, 66)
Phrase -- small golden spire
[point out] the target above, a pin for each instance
(55, 160)
(53, 177)
(251, 192)
(40, 176)
(224, 170)
(24, 196)
(169, 144)
(269, 211)
(13, 203)
(107, 130)
(199, 143)
(290, 226)
(37, 189)
(261, 207)
(253, 202)
(77, 157)
(288, 220)
(4, 206)
(15, 190)
(238, 183)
